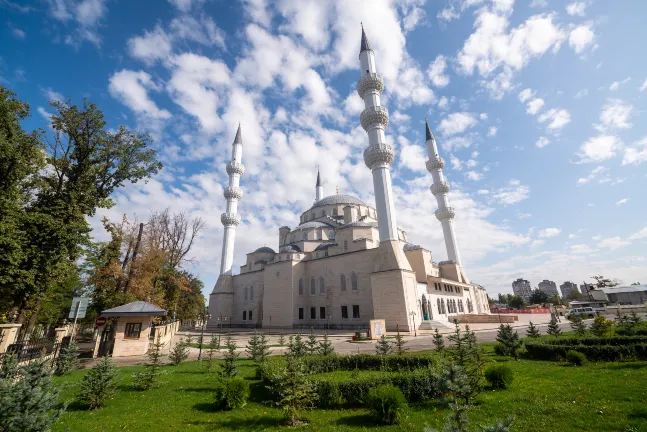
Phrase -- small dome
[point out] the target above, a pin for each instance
(313, 224)
(265, 249)
(290, 249)
(338, 199)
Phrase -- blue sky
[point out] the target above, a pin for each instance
(536, 106)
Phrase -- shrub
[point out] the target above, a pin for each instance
(99, 384)
(532, 331)
(499, 349)
(231, 393)
(601, 326)
(575, 358)
(499, 376)
(68, 360)
(554, 352)
(388, 403)
(333, 363)
(383, 346)
(509, 339)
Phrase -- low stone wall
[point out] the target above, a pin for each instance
(474, 318)
(164, 333)
(625, 309)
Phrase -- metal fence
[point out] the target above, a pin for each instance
(44, 349)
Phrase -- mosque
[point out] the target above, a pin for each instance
(346, 262)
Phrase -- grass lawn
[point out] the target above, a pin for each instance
(545, 396)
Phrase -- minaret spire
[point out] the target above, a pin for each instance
(440, 188)
(379, 155)
(318, 187)
(233, 193)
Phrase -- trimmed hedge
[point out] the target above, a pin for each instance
(387, 403)
(611, 340)
(554, 352)
(321, 364)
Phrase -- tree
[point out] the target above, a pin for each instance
(28, 398)
(383, 346)
(466, 354)
(399, 342)
(532, 331)
(509, 339)
(539, 297)
(635, 283)
(325, 346)
(258, 347)
(229, 367)
(602, 282)
(179, 353)
(516, 302)
(312, 344)
(281, 339)
(213, 346)
(296, 346)
(553, 329)
(145, 380)
(68, 359)
(99, 384)
(574, 295)
(439, 341)
(578, 325)
(601, 326)
(296, 392)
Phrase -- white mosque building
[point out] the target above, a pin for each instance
(346, 262)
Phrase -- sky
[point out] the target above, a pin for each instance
(538, 107)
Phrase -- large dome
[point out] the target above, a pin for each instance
(338, 199)
(264, 249)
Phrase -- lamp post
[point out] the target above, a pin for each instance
(413, 321)
(205, 318)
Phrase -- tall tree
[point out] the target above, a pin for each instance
(602, 282)
(539, 297)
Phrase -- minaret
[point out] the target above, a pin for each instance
(379, 155)
(440, 188)
(233, 193)
(318, 188)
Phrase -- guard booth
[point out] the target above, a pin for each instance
(128, 329)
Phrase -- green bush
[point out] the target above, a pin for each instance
(554, 352)
(575, 358)
(388, 403)
(499, 349)
(99, 384)
(612, 340)
(499, 376)
(231, 393)
(332, 363)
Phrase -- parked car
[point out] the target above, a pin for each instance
(585, 312)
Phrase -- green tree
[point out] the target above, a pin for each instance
(28, 398)
(539, 297)
(532, 331)
(99, 384)
(516, 302)
(578, 325)
(438, 340)
(296, 346)
(179, 353)
(601, 326)
(507, 337)
(229, 366)
(68, 359)
(294, 388)
(325, 346)
(146, 379)
(383, 346)
(258, 347)
(214, 344)
(281, 339)
(553, 329)
(470, 358)
(602, 282)
(399, 342)
(312, 343)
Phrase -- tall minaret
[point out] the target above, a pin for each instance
(318, 188)
(440, 188)
(233, 193)
(379, 155)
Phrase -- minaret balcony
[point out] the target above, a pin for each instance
(235, 168)
(440, 188)
(235, 193)
(445, 213)
(370, 82)
(435, 164)
(230, 219)
(377, 115)
(379, 155)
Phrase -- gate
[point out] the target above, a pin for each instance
(107, 339)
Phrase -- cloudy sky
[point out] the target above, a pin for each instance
(538, 107)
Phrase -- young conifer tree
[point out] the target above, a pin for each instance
(252, 345)
(312, 343)
(399, 342)
(553, 329)
(296, 346)
(68, 359)
(281, 339)
(211, 352)
(294, 388)
(99, 384)
(325, 346)
(229, 367)
(509, 339)
(532, 331)
(577, 324)
(383, 346)
(439, 341)
(145, 380)
(179, 353)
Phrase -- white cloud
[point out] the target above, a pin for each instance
(526, 94)
(622, 201)
(353, 104)
(523, 215)
(613, 243)
(457, 164)
(643, 87)
(571, 236)
(457, 123)
(436, 72)
(549, 232)
(556, 118)
(86, 14)
(581, 37)
(18, 33)
(483, 116)
(185, 5)
(534, 106)
(473, 175)
(615, 115)
(52, 95)
(443, 103)
(636, 153)
(599, 148)
(581, 93)
(582, 249)
(202, 30)
(616, 84)
(152, 46)
(512, 193)
(483, 192)
(538, 3)
(131, 88)
(594, 174)
(576, 8)
(412, 156)
(492, 131)
(542, 142)
(639, 235)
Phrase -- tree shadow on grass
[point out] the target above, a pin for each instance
(242, 424)
(627, 365)
(360, 420)
(196, 389)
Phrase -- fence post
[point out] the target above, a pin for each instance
(8, 334)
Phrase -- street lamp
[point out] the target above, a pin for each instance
(413, 321)
(205, 318)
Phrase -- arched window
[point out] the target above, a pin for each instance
(345, 245)
(334, 211)
(300, 286)
(246, 293)
(442, 303)
(322, 286)
(319, 235)
(305, 235)
(440, 309)
(354, 282)
(313, 288)
(251, 292)
(331, 235)
(343, 282)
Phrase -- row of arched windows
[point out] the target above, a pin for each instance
(354, 282)
(335, 212)
(452, 306)
(354, 285)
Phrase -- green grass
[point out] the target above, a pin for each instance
(545, 396)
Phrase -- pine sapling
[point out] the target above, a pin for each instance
(383, 346)
(438, 340)
(263, 349)
(553, 329)
(532, 331)
(399, 342)
(281, 339)
(296, 346)
(325, 346)
(145, 380)
(229, 367)
(312, 343)
(577, 324)
(179, 353)
(507, 337)
(68, 359)
(294, 388)
(252, 345)
(99, 384)
(212, 348)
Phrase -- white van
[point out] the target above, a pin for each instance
(585, 312)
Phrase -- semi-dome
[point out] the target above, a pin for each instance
(338, 199)
(359, 224)
(325, 245)
(265, 249)
(313, 224)
(290, 249)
